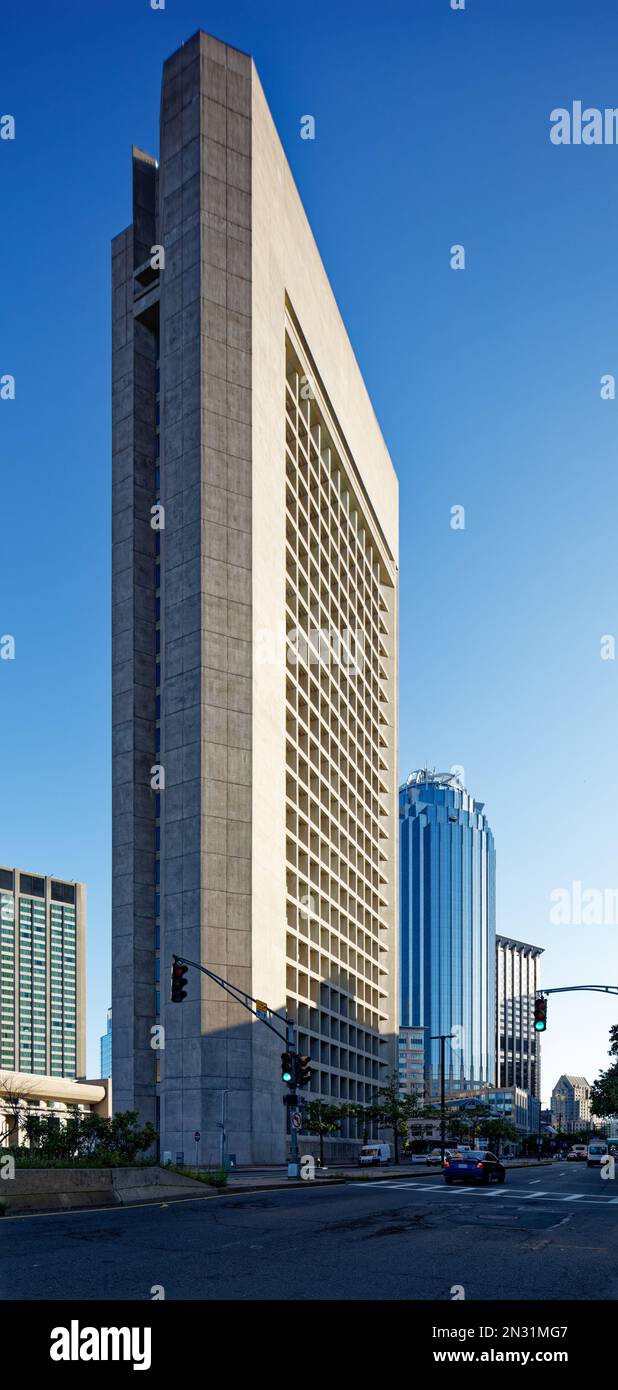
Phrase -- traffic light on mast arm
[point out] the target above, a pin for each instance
(540, 1014)
(179, 973)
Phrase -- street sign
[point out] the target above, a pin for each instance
(296, 1119)
(261, 1007)
(197, 1136)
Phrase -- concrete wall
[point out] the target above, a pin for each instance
(205, 179)
(62, 1189)
(133, 662)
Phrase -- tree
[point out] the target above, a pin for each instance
(89, 1136)
(478, 1116)
(458, 1127)
(392, 1110)
(604, 1094)
(497, 1130)
(604, 1091)
(321, 1118)
(12, 1111)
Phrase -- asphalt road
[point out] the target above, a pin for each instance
(551, 1234)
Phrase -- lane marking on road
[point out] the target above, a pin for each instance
(517, 1193)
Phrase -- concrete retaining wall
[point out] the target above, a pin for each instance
(57, 1189)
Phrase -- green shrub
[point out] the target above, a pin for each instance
(85, 1141)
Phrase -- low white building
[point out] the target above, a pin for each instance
(23, 1094)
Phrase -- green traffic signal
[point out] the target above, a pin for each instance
(540, 1015)
(286, 1067)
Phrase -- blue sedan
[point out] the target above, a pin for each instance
(477, 1166)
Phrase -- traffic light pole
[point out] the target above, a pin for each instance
(442, 1037)
(241, 997)
(569, 989)
(540, 1002)
(289, 1037)
(294, 1163)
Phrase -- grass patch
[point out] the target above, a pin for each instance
(212, 1177)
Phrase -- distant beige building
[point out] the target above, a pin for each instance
(412, 1062)
(254, 638)
(570, 1103)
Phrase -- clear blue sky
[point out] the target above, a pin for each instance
(432, 129)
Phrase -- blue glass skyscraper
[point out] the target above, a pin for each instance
(448, 928)
(106, 1048)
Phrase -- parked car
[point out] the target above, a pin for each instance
(578, 1153)
(597, 1152)
(477, 1166)
(374, 1154)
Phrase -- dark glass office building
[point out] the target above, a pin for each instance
(448, 928)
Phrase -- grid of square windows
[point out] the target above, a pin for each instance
(29, 1038)
(338, 776)
(7, 980)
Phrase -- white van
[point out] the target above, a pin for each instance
(374, 1153)
(597, 1152)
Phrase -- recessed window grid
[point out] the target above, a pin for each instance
(337, 783)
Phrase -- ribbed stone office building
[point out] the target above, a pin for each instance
(518, 1046)
(254, 637)
(42, 975)
(448, 928)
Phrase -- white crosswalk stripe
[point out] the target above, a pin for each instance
(518, 1193)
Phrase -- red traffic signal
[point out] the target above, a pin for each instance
(179, 974)
(540, 1015)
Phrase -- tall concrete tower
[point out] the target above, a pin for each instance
(254, 638)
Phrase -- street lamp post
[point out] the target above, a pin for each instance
(224, 1095)
(442, 1037)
